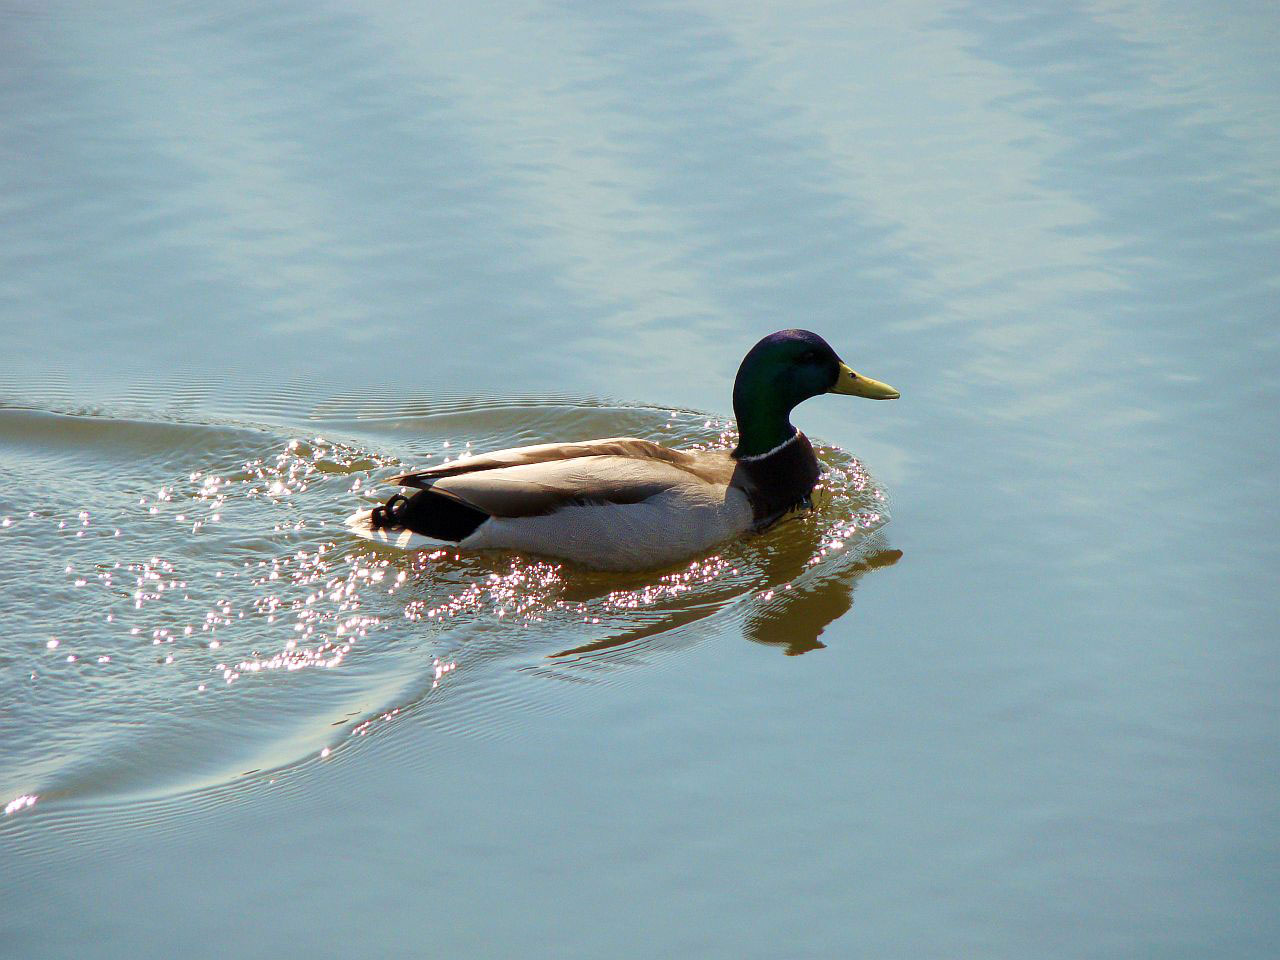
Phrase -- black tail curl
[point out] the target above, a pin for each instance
(429, 513)
(389, 514)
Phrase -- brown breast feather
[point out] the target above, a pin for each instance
(780, 482)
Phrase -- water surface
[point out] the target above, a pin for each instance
(1008, 692)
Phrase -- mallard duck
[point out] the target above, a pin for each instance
(626, 504)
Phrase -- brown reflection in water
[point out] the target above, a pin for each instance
(799, 589)
(795, 618)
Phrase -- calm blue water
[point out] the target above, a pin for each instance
(1011, 692)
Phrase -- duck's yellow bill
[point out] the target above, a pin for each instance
(856, 385)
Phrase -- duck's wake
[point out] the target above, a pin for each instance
(224, 620)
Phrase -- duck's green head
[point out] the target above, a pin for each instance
(782, 370)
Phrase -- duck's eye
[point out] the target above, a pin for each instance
(809, 356)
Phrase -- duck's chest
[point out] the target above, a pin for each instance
(779, 481)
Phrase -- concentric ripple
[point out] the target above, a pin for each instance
(194, 618)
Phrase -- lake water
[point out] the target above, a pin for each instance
(1011, 690)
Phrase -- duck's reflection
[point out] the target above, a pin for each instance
(799, 601)
(795, 616)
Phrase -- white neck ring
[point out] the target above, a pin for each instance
(769, 453)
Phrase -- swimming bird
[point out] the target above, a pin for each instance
(623, 503)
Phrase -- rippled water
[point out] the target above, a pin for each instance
(254, 259)
(216, 625)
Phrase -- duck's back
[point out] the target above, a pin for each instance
(713, 464)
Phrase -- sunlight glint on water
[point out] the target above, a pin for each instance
(256, 623)
(395, 232)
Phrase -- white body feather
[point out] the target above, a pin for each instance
(618, 536)
(641, 509)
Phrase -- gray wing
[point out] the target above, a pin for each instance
(536, 489)
(627, 447)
